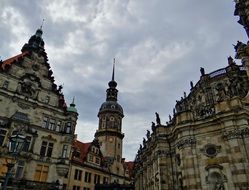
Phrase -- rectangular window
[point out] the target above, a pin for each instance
(45, 123)
(97, 160)
(68, 127)
(2, 136)
(46, 149)
(19, 169)
(90, 158)
(105, 180)
(75, 187)
(96, 178)
(86, 188)
(77, 174)
(58, 126)
(64, 151)
(41, 173)
(88, 177)
(27, 144)
(51, 125)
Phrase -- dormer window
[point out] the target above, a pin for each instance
(90, 158)
(76, 154)
(97, 160)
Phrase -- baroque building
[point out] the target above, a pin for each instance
(205, 144)
(99, 164)
(33, 105)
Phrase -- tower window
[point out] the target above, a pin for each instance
(68, 127)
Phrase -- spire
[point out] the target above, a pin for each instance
(112, 92)
(112, 83)
(72, 107)
(113, 69)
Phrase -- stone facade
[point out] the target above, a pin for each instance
(100, 162)
(32, 104)
(205, 144)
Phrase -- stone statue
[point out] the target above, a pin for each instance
(144, 142)
(153, 126)
(191, 84)
(230, 61)
(148, 134)
(158, 121)
(202, 70)
(170, 118)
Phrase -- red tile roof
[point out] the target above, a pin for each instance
(83, 148)
(12, 59)
(129, 165)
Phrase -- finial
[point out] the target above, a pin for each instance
(42, 23)
(73, 100)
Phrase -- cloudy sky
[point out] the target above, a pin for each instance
(159, 46)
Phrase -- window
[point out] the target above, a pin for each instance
(117, 170)
(46, 148)
(118, 158)
(90, 158)
(27, 144)
(19, 169)
(76, 154)
(2, 136)
(68, 127)
(105, 180)
(97, 160)
(86, 188)
(87, 177)
(75, 187)
(51, 125)
(64, 151)
(118, 145)
(41, 173)
(96, 178)
(58, 126)
(93, 149)
(77, 174)
(5, 84)
(45, 122)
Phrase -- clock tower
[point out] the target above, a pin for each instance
(109, 131)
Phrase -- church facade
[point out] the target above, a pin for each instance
(205, 145)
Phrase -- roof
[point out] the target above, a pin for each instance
(11, 60)
(82, 148)
(129, 165)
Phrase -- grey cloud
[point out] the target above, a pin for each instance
(159, 47)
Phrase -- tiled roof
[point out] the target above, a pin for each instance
(129, 165)
(83, 148)
(12, 59)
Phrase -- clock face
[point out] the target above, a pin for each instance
(111, 139)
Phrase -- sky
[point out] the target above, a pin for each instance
(159, 47)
